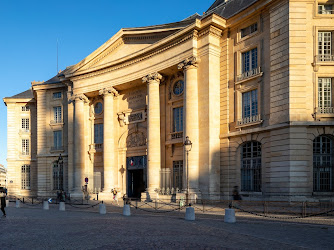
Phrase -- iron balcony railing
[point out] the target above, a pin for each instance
(176, 135)
(327, 110)
(249, 120)
(98, 145)
(325, 12)
(248, 74)
(325, 58)
(52, 122)
(24, 130)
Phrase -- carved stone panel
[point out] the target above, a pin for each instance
(136, 139)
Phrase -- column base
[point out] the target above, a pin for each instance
(193, 196)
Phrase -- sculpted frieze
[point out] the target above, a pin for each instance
(136, 139)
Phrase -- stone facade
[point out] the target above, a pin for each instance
(249, 84)
(3, 176)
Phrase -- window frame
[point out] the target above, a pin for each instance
(58, 176)
(98, 133)
(54, 97)
(25, 146)
(25, 124)
(26, 177)
(180, 122)
(57, 139)
(58, 114)
(178, 171)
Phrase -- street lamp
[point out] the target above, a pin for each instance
(187, 146)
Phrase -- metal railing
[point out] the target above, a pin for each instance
(249, 120)
(326, 110)
(325, 58)
(98, 145)
(24, 130)
(176, 135)
(325, 12)
(52, 122)
(249, 74)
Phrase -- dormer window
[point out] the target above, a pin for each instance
(249, 30)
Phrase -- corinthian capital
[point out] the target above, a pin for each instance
(152, 77)
(108, 91)
(189, 62)
(78, 97)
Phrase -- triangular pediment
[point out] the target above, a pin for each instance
(127, 42)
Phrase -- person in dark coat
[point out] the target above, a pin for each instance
(3, 201)
(235, 194)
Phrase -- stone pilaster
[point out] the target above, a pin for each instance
(110, 170)
(191, 125)
(79, 144)
(153, 132)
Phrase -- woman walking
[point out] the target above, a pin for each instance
(3, 201)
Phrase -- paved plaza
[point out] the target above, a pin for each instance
(31, 227)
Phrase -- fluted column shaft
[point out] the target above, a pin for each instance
(79, 143)
(153, 132)
(191, 122)
(108, 138)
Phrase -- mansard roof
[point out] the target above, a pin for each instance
(23, 95)
(229, 8)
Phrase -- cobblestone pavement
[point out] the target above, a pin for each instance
(30, 227)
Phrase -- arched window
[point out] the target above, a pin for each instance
(251, 167)
(58, 176)
(323, 164)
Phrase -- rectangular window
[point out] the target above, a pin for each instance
(57, 139)
(25, 177)
(57, 114)
(25, 108)
(249, 104)
(25, 124)
(325, 45)
(98, 133)
(249, 30)
(177, 174)
(56, 95)
(249, 60)
(325, 92)
(178, 119)
(325, 9)
(25, 147)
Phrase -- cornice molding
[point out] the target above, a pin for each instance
(191, 35)
(109, 91)
(211, 30)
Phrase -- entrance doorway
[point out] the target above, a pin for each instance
(137, 180)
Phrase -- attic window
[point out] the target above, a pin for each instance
(25, 108)
(56, 95)
(249, 30)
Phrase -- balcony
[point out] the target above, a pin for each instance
(24, 131)
(98, 146)
(325, 12)
(176, 135)
(250, 74)
(325, 58)
(252, 120)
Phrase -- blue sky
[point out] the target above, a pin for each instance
(29, 31)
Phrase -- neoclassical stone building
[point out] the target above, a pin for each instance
(249, 82)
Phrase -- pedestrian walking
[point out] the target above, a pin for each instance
(3, 201)
(235, 194)
(114, 193)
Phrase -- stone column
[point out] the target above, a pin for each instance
(191, 124)
(153, 132)
(108, 138)
(79, 144)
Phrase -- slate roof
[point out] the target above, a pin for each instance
(229, 8)
(24, 95)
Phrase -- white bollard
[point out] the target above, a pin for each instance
(190, 213)
(126, 210)
(61, 206)
(229, 215)
(7, 203)
(45, 205)
(102, 208)
(17, 204)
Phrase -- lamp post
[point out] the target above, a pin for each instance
(187, 146)
(60, 163)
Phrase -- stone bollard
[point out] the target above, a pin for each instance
(45, 205)
(102, 208)
(126, 210)
(18, 203)
(7, 203)
(61, 206)
(229, 215)
(190, 213)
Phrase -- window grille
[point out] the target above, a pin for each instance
(25, 108)
(323, 164)
(58, 176)
(25, 147)
(178, 175)
(56, 95)
(249, 30)
(57, 139)
(249, 60)
(25, 124)
(325, 45)
(178, 119)
(98, 133)
(325, 9)
(325, 92)
(251, 167)
(57, 114)
(25, 177)
(249, 104)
